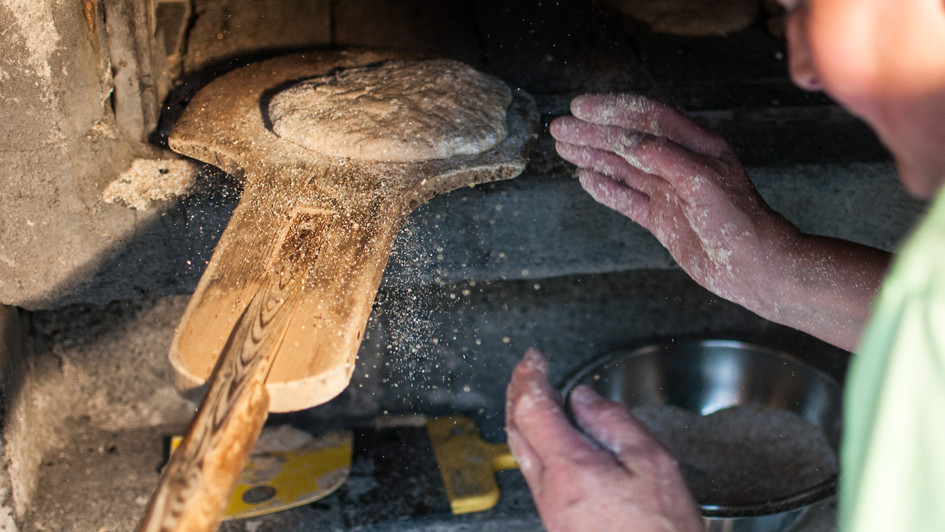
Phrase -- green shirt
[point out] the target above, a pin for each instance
(893, 457)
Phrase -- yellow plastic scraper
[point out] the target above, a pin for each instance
(467, 463)
(289, 468)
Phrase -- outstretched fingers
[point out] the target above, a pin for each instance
(604, 162)
(631, 111)
(636, 158)
(608, 163)
(583, 133)
(684, 170)
(622, 198)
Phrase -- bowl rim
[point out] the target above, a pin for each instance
(798, 500)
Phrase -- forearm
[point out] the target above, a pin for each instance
(824, 287)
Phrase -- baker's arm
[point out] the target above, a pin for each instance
(687, 187)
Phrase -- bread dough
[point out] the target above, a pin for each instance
(694, 18)
(402, 111)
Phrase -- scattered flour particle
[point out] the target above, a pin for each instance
(150, 180)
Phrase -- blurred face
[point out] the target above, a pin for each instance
(885, 61)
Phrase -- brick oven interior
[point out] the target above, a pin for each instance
(92, 290)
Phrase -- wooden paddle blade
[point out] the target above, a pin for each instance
(277, 318)
(316, 273)
(226, 125)
(340, 249)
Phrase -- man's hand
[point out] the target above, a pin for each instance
(680, 182)
(616, 477)
(687, 187)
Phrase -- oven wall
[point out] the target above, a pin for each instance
(91, 87)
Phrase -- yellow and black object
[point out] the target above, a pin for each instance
(396, 468)
(467, 463)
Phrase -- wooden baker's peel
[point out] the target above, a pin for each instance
(277, 317)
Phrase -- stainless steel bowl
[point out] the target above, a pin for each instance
(708, 375)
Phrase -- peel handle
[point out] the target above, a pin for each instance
(197, 481)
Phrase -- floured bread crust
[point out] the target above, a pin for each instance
(692, 17)
(398, 111)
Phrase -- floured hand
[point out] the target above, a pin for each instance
(617, 477)
(687, 187)
(683, 184)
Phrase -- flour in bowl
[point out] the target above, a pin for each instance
(743, 454)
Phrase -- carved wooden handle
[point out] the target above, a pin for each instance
(345, 242)
(199, 478)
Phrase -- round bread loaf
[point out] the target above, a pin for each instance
(399, 111)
